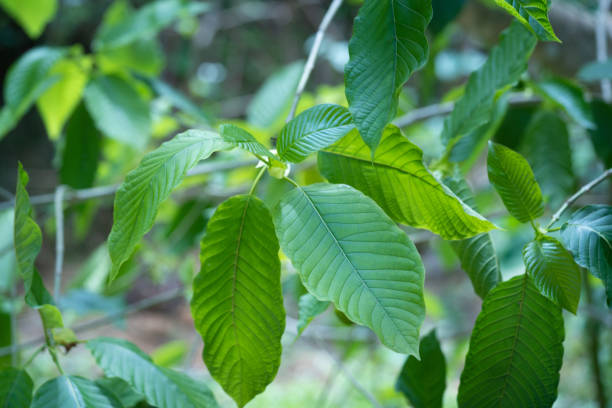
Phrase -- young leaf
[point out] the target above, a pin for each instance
(118, 110)
(588, 236)
(349, 251)
(570, 97)
(146, 187)
(28, 241)
(312, 130)
(423, 381)
(477, 254)
(533, 14)
(237, 303)
(396, 178)
(15, 388)
(309, 308)
(387, 46)
(32, 15)
(239, 137)
(554, 271)
(516, 349)
(515, 183)
(73, 392)
(161, 387)
(506, 63)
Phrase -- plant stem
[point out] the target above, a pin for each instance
(59, 240)
(291, 181)
(259, 175)
(55, 359)
(585, 189)
(33, 356)
(312, 56)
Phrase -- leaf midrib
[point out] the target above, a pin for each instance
(596, 232)
(517, 193)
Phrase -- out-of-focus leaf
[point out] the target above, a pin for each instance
(85, 302)
(171, 353)
(601, 135)
(387, 46)
(180, 101)
(596, 71)
(444, 12)
(73, 392)
(118, 110)
(309, 308)
(143, 56)
(122, 390)
(533, 14)
(570, 97)
(8, 262)
(15, 388)
(514, 125)
(6, 335)
(32, 15)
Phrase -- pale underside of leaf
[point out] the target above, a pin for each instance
(73, 392)
(309, 308)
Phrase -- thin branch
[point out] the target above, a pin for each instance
(59, 239)
(602, 46)
(312, 56)
(585, 189)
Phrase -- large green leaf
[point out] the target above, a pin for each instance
(162, 387)
(533, 14)
(118, 110)
(570, 97)
(387, 46)
(147, 186)
(423, 381)
(239, 137)
(312, 130)
(32, 15)
(444, 12)
(237, 302)
(73, 392)
(601, 134)
(588, 236)
(477, 254)
(28, 241)
(554, 271)
(122, 390)
(515, 182)
(309, 307)
(506, 63)
(399, 182)
(516, 350)
(349, 251)
(15, 388)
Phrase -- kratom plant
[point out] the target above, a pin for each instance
(342, 236)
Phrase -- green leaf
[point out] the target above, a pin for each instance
(423, 381)
(180, 101)
(162, 387)
(239, 137)
(147, 186)
(596, 71)
(444, 12)
(15, 388)
(588, 236)
(387, 46)
(312, 130)
(477, 254)
(600, 135)
(309, 308)
(506, 63)
(554, 271)
(237, 303)
(143, 56)
(81, 151)
(121, 390)
(273, 99)
(515, 183)
(32, 15)
(516, 350)
(341, 242)
(570, 97)
(533, 14)
(73, 392)
(118, 110)
(399, 182)
(6, 333)
(28, 241)
(8, 262)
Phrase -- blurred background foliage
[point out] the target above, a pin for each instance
(98, 83)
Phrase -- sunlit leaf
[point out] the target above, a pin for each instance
(532, 14)
(32, 15)
(239, 137)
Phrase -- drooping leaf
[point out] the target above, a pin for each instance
(312, 130)
(239, 137)
(596, 71)
(588, 236)
(387, 46)
(28, 241)
(81, 151)
(237, 303)
(444, 12)
(515, 183)
(32, 15)
(399, 182)
(516, 349)
(601, 135)
(73, 392)
(348, 251)
(506, 63)
(423, 381)
(147, 186)
(547, 149)
(161, 387)
(533, 14)
(570, 97)
(15, 388)
(118, 110)
(554, 271)
(309, 308)
(272, 100)
(477, 254)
